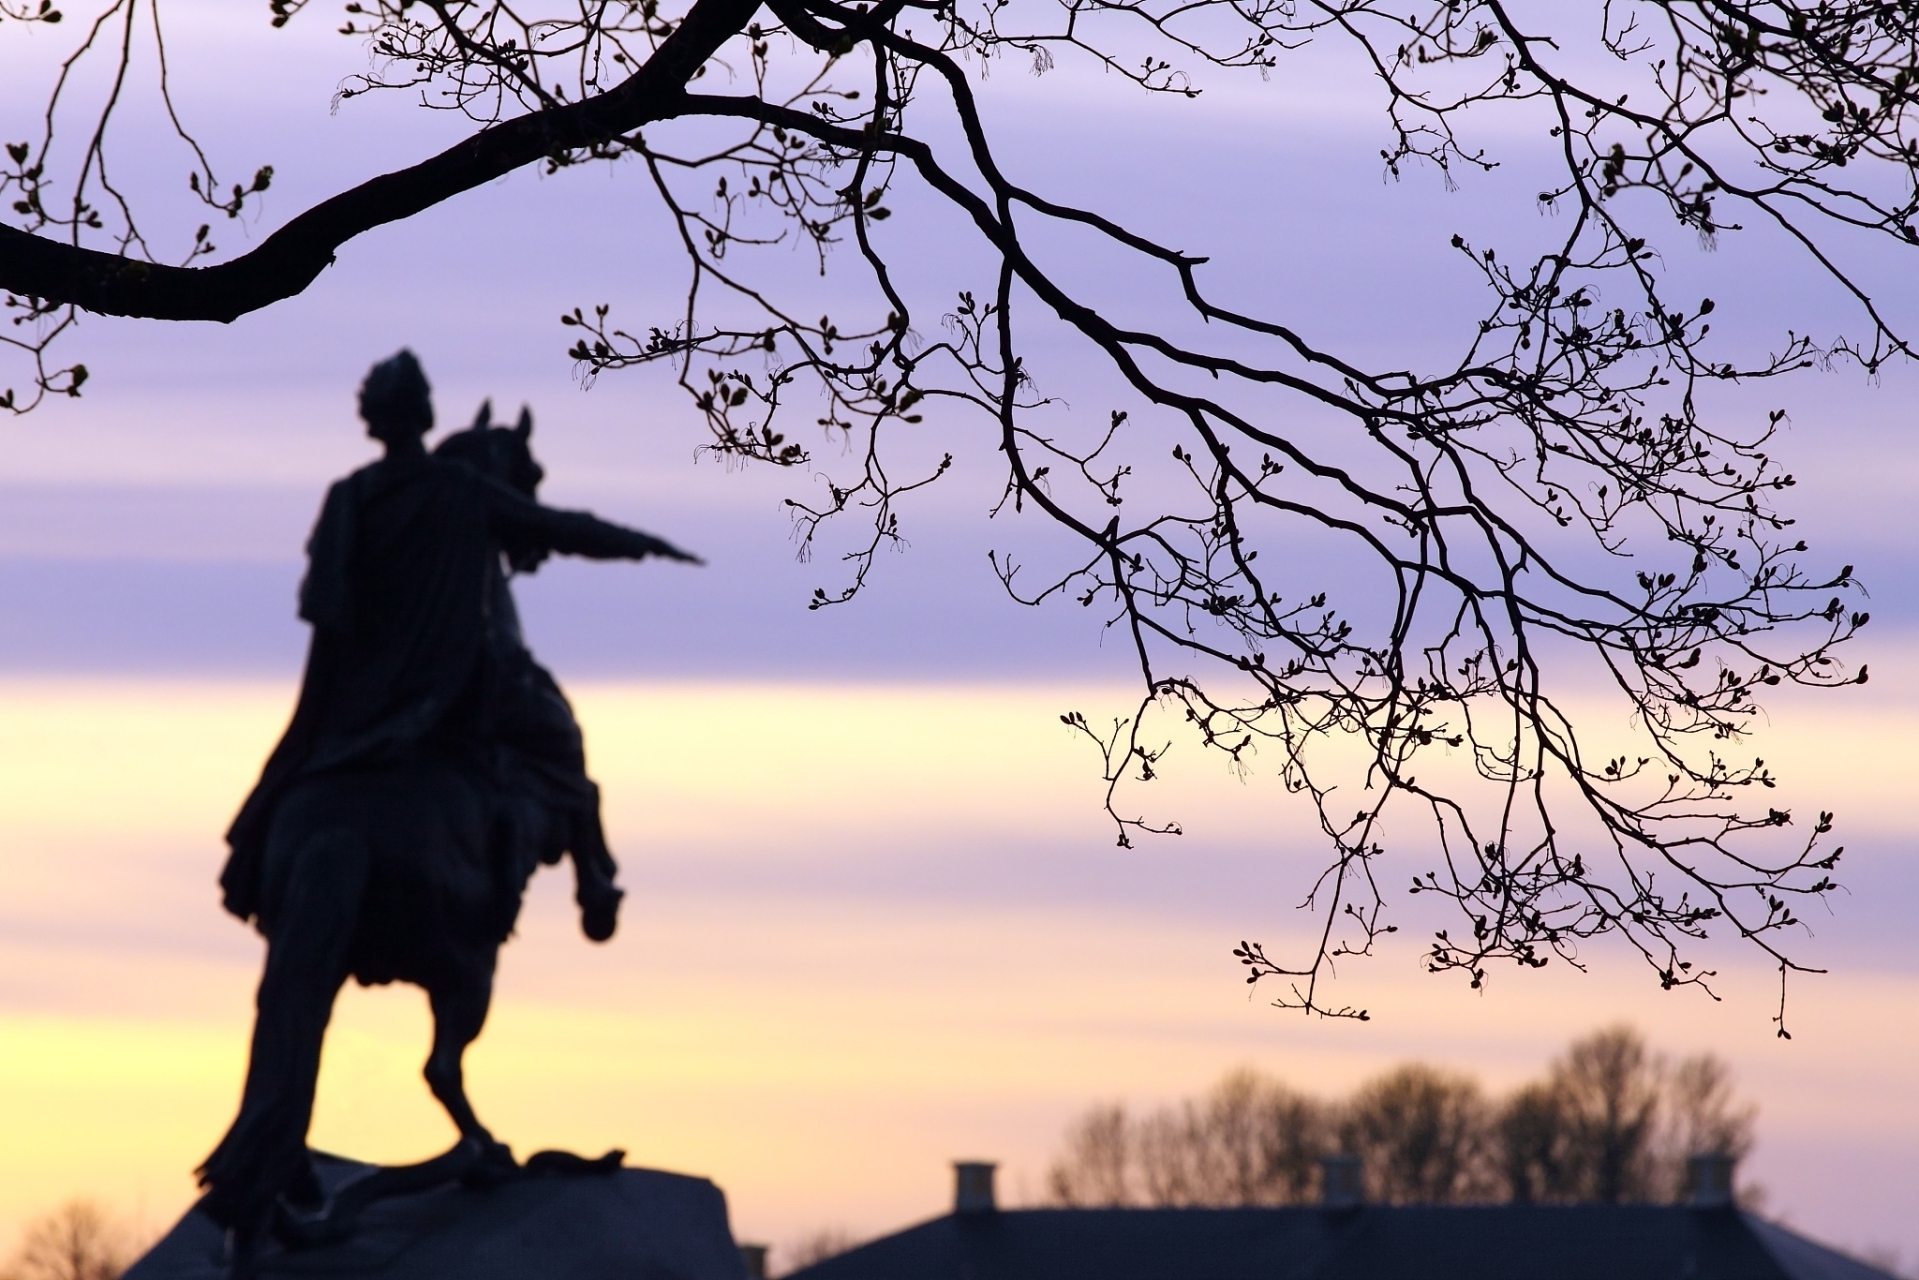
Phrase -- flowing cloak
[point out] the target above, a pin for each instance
(401, 589)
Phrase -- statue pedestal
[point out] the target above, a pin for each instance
(633, 1224)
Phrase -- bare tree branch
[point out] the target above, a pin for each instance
(291, 258)
(1547, 515)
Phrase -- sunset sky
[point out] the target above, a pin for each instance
(876, 920)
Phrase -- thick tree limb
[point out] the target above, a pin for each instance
(291, 258)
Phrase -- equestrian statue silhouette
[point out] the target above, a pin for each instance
(430, 766)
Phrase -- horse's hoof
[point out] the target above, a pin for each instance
(305, 1194)
(565, 1164)
(600, 911)
(240, 1255)
(495, 1167)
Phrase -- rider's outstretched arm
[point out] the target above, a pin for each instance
(519, 521)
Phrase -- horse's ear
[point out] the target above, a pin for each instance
(484, 417)
(525, 429)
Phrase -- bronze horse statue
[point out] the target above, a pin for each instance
(428, 771)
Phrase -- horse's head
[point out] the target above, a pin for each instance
(504, 454)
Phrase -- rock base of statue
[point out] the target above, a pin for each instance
(635, 1224)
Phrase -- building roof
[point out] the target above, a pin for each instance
(1372, 1242)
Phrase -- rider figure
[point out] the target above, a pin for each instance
(405, 597)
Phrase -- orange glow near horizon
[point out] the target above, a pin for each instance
(871, 929)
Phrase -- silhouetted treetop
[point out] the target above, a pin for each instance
(77, 1241)
(1611, 1122)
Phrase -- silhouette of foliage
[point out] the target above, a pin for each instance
(77, 1241)
(1548, 508)
(816, 1246)
(1421, 1135)
(1612, 1122)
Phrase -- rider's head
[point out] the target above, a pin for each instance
(396, 402)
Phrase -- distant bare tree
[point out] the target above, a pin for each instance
(1530, 1133)
(1702, 1114)
(1422, 1135)
(78, 1241)
(1167, 1156)
(1609, 1086)
(1612, 1122)
(815, 1246)
(1250, 1140)
(1096, 1169)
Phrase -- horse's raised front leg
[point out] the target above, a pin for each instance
(593, 872)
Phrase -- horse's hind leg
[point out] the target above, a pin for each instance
(459, 1013)
(264, 1153)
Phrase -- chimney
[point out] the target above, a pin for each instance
(1340, 1183)
(973, 1186)
(754, 1256)
(1709, 1180)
